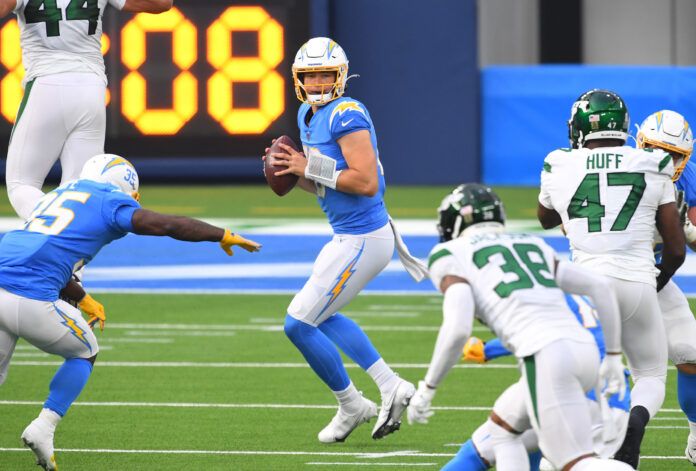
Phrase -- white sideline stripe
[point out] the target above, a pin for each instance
(275, 453)
(406, 453)
(164, 364)
(195, 405)
(271, 327)
(329, 463)
(210, 405)
(224, 291)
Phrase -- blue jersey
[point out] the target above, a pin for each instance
(347, 213)
(687, 183)
(65, 231)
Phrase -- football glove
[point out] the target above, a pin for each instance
(419, 410)
(94, 310)
(230, 239)
(611, 372)
(473, 350)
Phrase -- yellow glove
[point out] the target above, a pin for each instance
(473, 350)
(94, 310)
(230, 239)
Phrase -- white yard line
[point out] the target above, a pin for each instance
(329, 463)
(406, 453)
(224, 405)
(193, 364)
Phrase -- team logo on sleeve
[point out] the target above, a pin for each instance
(342, 108)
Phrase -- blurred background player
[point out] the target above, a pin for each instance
(342, 168)
(67, 229)
(511, 283)
(609, 198)
(63, 112)
(669, 131)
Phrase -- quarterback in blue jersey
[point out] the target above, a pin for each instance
(66, 230)
(669, 131)
(340, 164)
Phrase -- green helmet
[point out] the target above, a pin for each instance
(468, 204)
(597, 114)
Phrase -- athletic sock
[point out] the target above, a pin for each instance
(629, 452)
(349, 399)
(50, 417)
(67, 384)
(383, 376)
(319, 351)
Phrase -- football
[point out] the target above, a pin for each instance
(283, 184)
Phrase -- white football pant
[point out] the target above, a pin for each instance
(644, 342)
(679, 324)
(54, 327)
(64, 117)
(342, 269)
(550, 398)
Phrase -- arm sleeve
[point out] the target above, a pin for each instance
(458, 317)
(494, 349)
(348, 117)
(117, 211)
(572, 278)
(117, 4)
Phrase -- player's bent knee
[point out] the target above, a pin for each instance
(295, 329)
(684, 354)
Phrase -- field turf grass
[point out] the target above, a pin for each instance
(198, 382)
(214, 378)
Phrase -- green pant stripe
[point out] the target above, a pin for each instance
(22, 105)
(530, 370)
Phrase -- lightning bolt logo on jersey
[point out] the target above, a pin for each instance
(66, 230)
(347, 213)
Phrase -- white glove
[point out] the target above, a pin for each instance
(419, 408)
(611, 373)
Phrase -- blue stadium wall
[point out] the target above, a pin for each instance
(525, 109)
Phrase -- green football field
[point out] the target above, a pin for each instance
(195, 382)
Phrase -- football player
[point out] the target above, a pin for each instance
(513, 283)
(609, 198)
(340, 164)
(63, 112)
(66, 230)
(669, 131)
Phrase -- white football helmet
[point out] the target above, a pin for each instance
(668, 130)
(113, 169)
(320, 55)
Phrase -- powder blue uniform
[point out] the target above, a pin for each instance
(347, 213)
(63, 234)
(687, 183)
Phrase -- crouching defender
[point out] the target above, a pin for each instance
(513, 283)
(66, 230)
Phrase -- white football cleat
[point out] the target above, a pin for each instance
(691, 449)
(39, 437)
(393, 406)
(343, 424)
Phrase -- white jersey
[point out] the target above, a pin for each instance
(62, 36)
(607, 199)
(512, 278)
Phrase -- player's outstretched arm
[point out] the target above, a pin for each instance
(673, 248)
(147, 6)
(147, 222)
(6, 7)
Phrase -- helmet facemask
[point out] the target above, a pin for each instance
(329, 91)
(668, 131)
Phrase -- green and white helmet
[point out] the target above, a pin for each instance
(468, 204)
(597, 114)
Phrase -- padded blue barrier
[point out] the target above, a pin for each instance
(525, 109)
